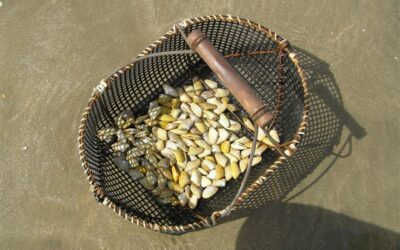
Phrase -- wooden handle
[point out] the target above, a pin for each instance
(230, 77)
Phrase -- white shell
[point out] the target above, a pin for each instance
(205, 182)
(196, 109)
(209, 191)
(196, 177)
(224, 121)
(203, 144)
(222, 92)
(219, 183)
(192, 203)
(196, 191)
(209, 164)
(223, 135)
(183, 199)
(221, 159)
(211, 84)
(212, 136)
(212, 174)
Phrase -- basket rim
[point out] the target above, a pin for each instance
(209, 221)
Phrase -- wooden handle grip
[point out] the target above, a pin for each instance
(230, 77)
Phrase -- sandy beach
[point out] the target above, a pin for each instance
(340, 191)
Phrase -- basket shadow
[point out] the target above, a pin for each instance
(296, 226)
(326, 120)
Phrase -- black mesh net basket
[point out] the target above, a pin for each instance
(263, 58)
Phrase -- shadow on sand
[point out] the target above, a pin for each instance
(274, 224)
(295, 226)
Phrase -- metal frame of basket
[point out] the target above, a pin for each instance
(283, 49)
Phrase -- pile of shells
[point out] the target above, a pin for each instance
(187, 146)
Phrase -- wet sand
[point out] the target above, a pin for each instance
(343, 193)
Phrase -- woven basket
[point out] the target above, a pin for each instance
(262, 57)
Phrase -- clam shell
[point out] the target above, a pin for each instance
(212, 174)
(234, 126)
(212, 135)
(201, 127)
(256, 160)
(195, 177)
(203, 144)
(245, 153)
(196, 191)
(209, 191)
(235, 170)
(260, 149)
(175, 173)
(206, 94)
(211, 84)
(209, 164)
(172, 145)
(231, 107)
(121, 162)
(224, 121)
(170, 90)
(220, 109)
(231, 157)
(223, 135)
(167, 152)
(243, 164)
(184, 179)
(197, 86)
(166, 118)
(183, 199)
(188, 142)
(215, 101)
(176, 113)
(175, 104)
(219, 172)
(192, 203)
(211, 116)
(222, 92)
(194, 130)
(164, 163)
(195, 150)
(160, 145)
(189, 89)
(191, 136)
(163, 98)
(191, 165)
(221, 159)
(219, 183)
(203, 171)
(215, 148)
(233, 137)
(180, 156)
(160, 133)
(228, 173)
(186, 124)
(207, 106)
(135, 174)
(225, 147)
(175, 187)
(166, 193)
(198, 99)
(185, 98)
(204, 153)
(238, 145)
(167, 174)
(205, 182)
